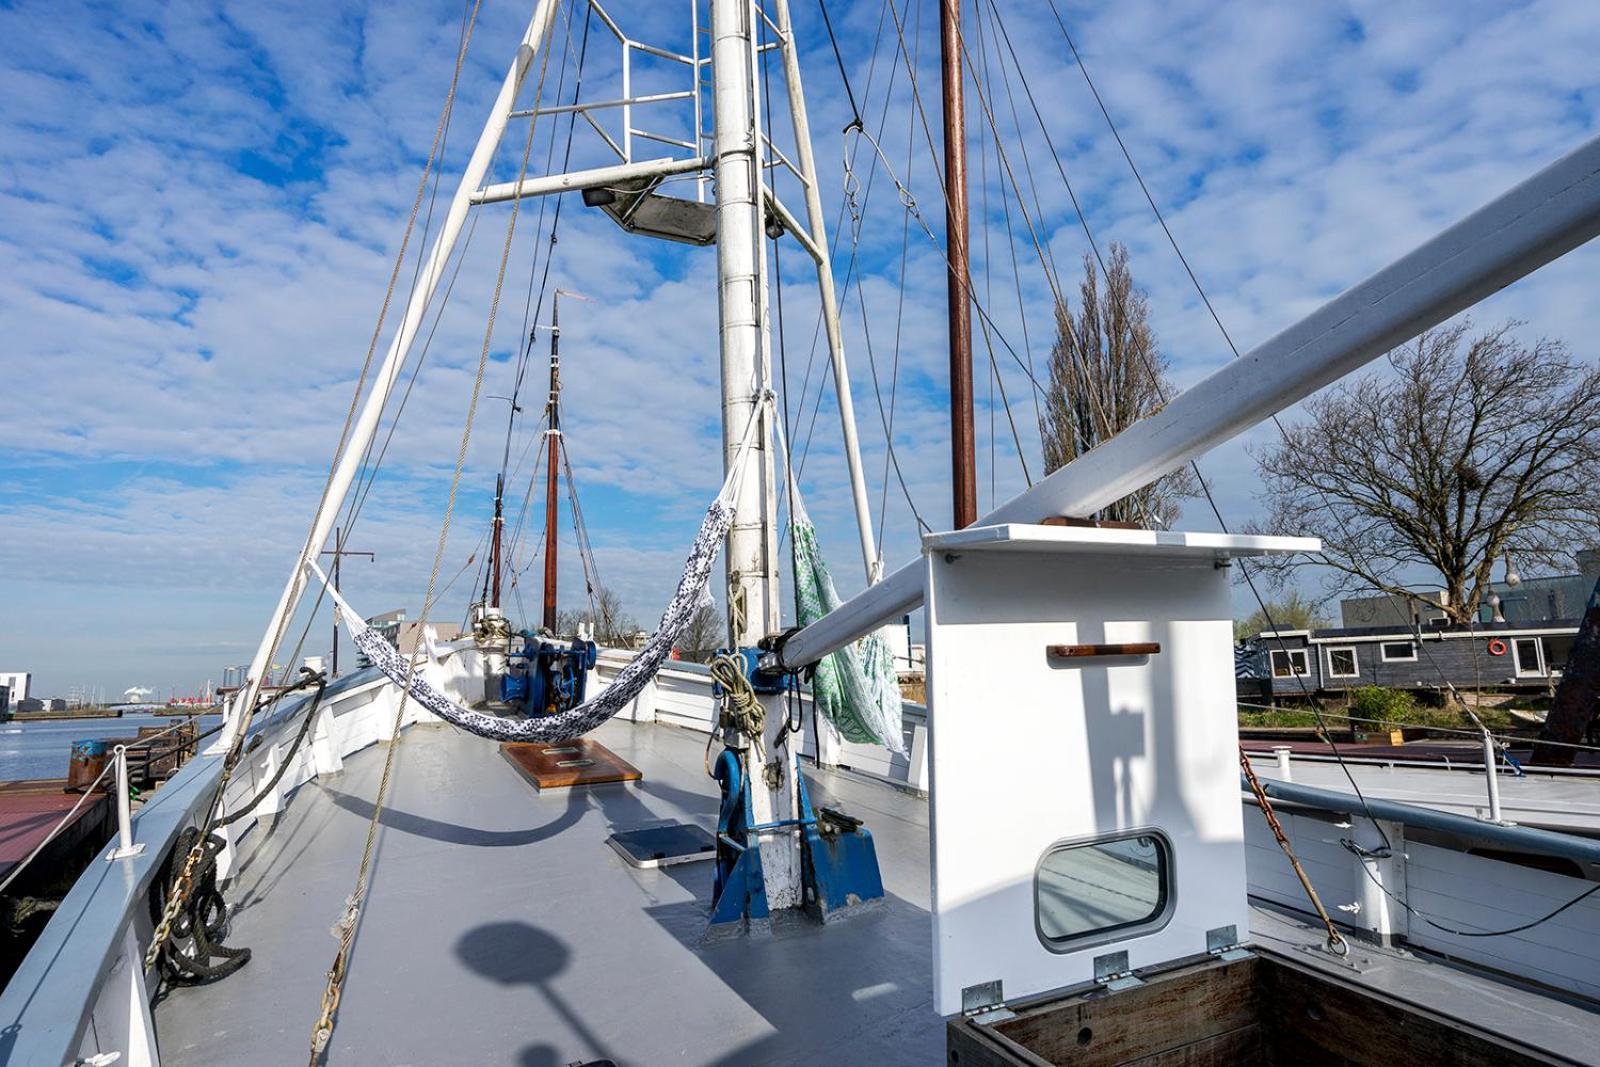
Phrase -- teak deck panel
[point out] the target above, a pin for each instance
(583, 761)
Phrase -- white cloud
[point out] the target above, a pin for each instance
(199, 207)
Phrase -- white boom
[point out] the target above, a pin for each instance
(1531, 224)
(366, 424)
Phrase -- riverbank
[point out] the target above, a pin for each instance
(42, 749)
(73, 713)
(106, 713)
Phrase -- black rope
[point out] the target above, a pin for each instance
(855, 121)
(194, 953)
(283, 764)
(1384, 852)
(203, 921)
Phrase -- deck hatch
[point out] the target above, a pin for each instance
(663, 846)
(584, 761)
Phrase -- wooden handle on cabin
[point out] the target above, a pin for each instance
(1135, 648)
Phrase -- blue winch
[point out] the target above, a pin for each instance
(839, 863)
(548, 676)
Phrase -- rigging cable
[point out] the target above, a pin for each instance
(322, 1030)
(1200, 478)
(580, 530)
(1316, 703)
(996, 381)
(196, 853)
(839, 58)
(857, 211)
(838, 230)
(555, 222)
(1074, 346)
(1244, 571)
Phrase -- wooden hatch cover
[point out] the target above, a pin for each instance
(560, 766)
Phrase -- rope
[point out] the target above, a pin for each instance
(344, 930)
(377, 331)
(878, 38)
(1383, 853)
(1336, 942)
(839, 58)
(741, 710)
(201, 918)
(178, 897)
(531, 310)
(187, 905)
(580, 531)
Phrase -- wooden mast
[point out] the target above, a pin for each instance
(964, 479)
(552, 504)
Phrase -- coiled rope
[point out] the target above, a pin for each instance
(740, 710)
(186, 903)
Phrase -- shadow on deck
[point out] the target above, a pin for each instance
(500, 928)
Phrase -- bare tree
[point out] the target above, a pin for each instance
(1474, 448)
(703, 635)
(1106, 373)
(612, 625)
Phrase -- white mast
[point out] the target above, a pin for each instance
(366, 424)
(746, 379)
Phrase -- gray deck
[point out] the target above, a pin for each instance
(502, 929)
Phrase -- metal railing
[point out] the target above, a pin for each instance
(119, 765)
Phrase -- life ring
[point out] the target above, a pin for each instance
(1497, 647)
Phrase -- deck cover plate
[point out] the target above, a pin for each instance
(664, 845)
(582, 761)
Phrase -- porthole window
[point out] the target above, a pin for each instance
(1090, 892)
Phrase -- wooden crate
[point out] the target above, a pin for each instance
(1261, 1009)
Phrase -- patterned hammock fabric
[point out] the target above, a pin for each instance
(577, 721)
(856, 688)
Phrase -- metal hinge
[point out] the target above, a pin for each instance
(985, 1002)
(1112, 972)
(1223, 943)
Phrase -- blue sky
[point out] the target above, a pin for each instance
(200, 205)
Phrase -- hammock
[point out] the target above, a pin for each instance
(565, 725)
(574, 722)
(856, 688)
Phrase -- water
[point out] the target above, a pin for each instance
(42, 749)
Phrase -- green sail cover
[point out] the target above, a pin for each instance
(855, 688)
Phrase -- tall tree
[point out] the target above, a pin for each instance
(1473, 448)
(1106, 373)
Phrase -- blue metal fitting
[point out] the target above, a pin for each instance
(762, 681)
